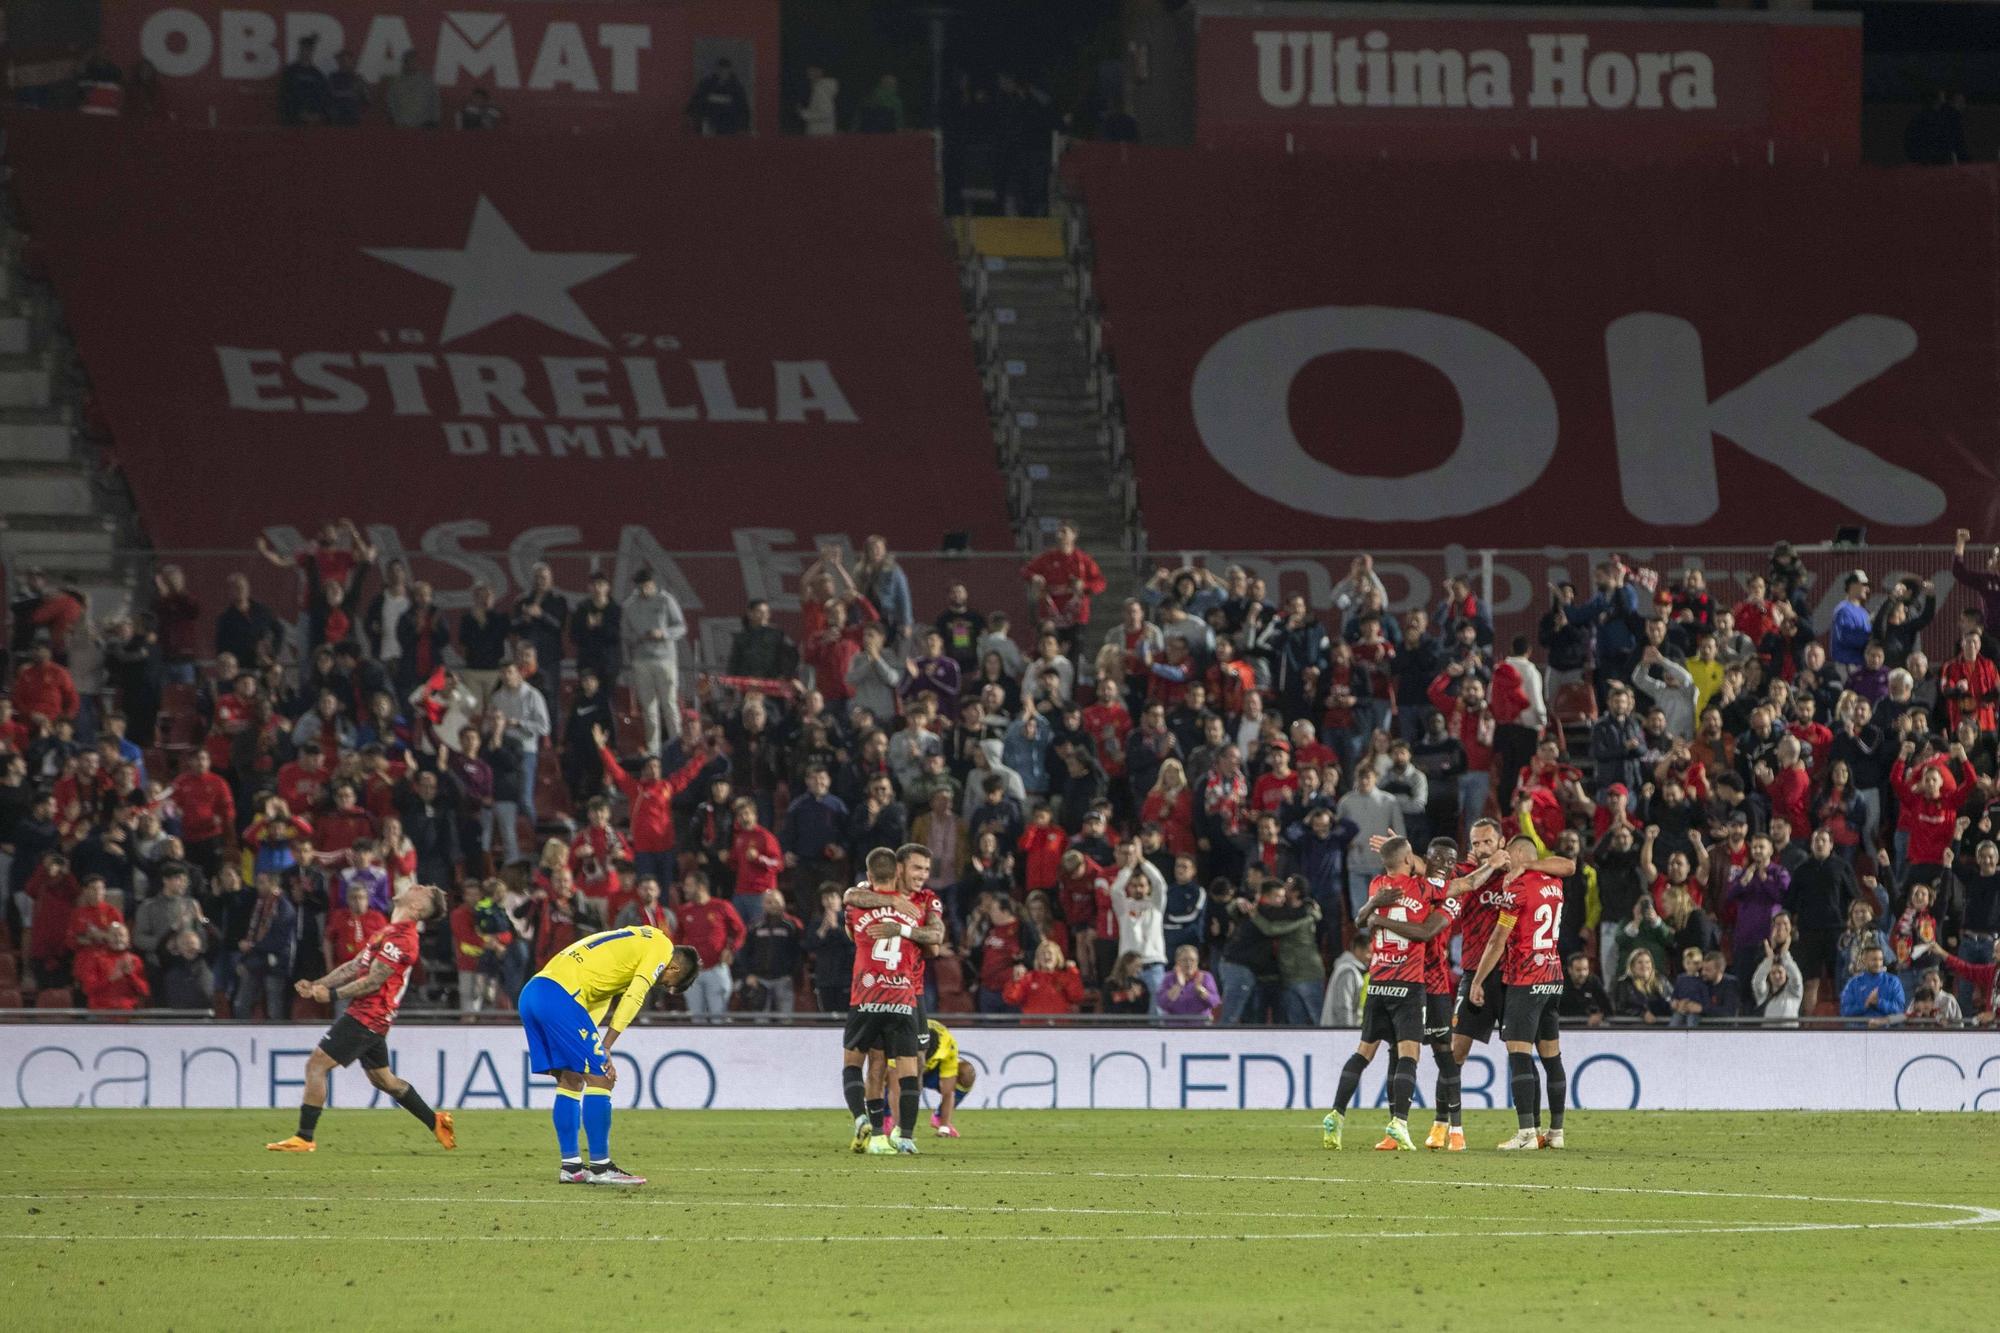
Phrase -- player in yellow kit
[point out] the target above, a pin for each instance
(945, 1074)
(571, 1011)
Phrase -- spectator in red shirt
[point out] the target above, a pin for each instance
(1042, 846)
(1970, 685)
(43, 687)
(1930, 797)
(113, 977)
(177, 620)
(350, 926)
(832, 650)
(344, 825)
(594, 855)
(54, 891)
(92, 916)
(208, 812)
(1085, 897)
(1276, 787)
(755, 860)
(1054, 987)
(1789, 786)
(1061, 583)
(715, 932)
(1170, 804)
(651, 800)
(476, 948)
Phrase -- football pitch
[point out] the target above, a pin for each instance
(1034, 1219)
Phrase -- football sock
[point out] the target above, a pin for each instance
(1558, 1081)
(1350, 1081)
(413, 1101)
(1449, 1084)
(908, 1091)
(308, 1121)
(597, 1123)
(1402, 1086)
(568, 1114)
(853, 1086)
(1527, 1088)
(878, 1108)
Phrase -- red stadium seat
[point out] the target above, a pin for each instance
(55, 997)
(10, 969)
(10, 998)
(304, 1010)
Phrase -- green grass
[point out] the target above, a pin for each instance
(1101, 1220)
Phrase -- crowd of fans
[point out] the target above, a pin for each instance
(1170, 811)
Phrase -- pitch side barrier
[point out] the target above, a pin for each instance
(793, 1066)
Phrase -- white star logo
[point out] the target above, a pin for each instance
(497, 275)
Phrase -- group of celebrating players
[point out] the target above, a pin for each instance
(574, 1009)
(1507, 904)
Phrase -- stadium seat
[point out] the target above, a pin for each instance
(10, 998)
(225, 1005)
(1576, 704)
(304, 1010)
(55, 997)
(10, 969)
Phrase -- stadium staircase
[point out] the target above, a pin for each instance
(63, 511)
(1050, 391)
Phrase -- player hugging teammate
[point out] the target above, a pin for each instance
(896, 923)
(1507, 905)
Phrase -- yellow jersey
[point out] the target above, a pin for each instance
(943, 1058)
(599, 969)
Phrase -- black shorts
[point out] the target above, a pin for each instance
(1437, 1017)
(1393, 1011)
(348, 1040)
(1813, 951)
(1477, 1021)
(893, 1034)
(1531, 1012)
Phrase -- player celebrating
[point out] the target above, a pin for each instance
(1399, 911)
(571, 1010)
(1440, 866)
(886, 987)
(1529, 922)
(945, 1074)
(372, 982)
(1473, 1020)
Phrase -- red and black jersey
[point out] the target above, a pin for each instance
(1437, 952)
(395, 945)
(1479, 913)
(1397, 958)
(888, 974)
(1533, 956)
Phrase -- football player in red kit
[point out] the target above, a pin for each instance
(891, 930)
(1440, 867)
(372, 983)
(1399, 911)
(1525, 946)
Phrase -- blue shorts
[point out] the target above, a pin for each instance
(931, 1080)
(561, 1032)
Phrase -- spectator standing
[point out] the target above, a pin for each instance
(882, 111)
(720, 104)
(1061, 581)
(1873, 993)
(821, 111)
(716, 933)
(1852, 628)
(539, 617)
(264, 972)
(303, 95)
(526, 715)
(653, 630)
(1347, 984)
(1776, 983)
(411, 97)
(346, 92)
(999, 941)
(482, 641)
(772, 955)
(760, 649)
(1292, 925)
(1138, 895)
(1519, 714)
(1374, 814)
(596, 627)
(831, 950)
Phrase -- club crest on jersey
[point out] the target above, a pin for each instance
(868, 978)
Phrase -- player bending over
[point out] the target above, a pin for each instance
(1398, 910)
(1530, 918)
(608, 974)
(891, 932)
(945, 1075)
(372, 983)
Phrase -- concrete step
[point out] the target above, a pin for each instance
(15, 336)
(24, 388)
(1042, 377)
(82, 550)
(48, 442)
(32, 489)
(1053, 404)
(1060, 419)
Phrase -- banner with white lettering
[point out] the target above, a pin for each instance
(1618, 85)
(1384, 356)
(478, 339)
(614, 65)
(1024, 1068)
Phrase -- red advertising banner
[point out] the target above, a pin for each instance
(531, 343)
(614, 65)
(1415, 81)
(1339, 356)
